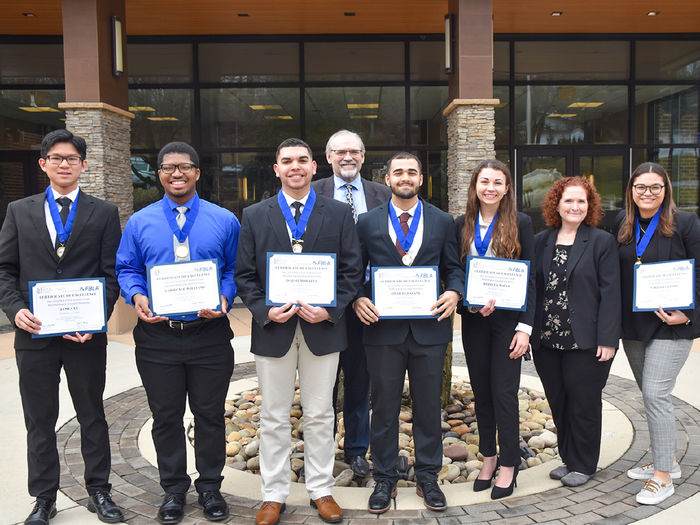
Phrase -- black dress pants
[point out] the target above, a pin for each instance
(39, 377)
(573, 382)
(187, 369)
(387, 366)
(495, 379)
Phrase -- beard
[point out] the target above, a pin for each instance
(348, 172)
(404, 192)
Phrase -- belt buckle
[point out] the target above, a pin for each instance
(176, 324)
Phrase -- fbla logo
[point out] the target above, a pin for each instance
(89, 288)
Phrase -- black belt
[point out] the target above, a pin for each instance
(184, 325)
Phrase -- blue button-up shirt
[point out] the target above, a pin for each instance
(148, 239)
(358, 193)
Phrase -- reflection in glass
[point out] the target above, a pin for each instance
(538, 174)
(664, 60)
(605, 171)
(27, 115)
(428, 61)
(144, 177)
(354, 61)
(501, 60)
(159, 63)
(502, 115)
(260, 62)
(666, 114)
(683, 166)
(31, 64)
(249, 117)
(571, 114)
(428, 126)
(376, 113)
(164, 115)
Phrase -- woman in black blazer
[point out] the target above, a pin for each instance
(577, 321)
(495, 340)
(656, 343)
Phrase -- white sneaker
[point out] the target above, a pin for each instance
(647, 472)
(654, 492)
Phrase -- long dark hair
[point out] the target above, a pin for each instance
(668, 208)
(505, 241)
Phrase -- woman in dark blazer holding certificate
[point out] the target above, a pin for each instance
(494, 339)
(657, 343)
(577, 321)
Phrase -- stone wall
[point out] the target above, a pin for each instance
(471, 133)
(107, 130)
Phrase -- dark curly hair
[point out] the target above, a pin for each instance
(553, 197)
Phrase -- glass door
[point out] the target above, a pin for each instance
(609, 171)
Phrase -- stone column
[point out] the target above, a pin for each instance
(107, 130)
(471, 133)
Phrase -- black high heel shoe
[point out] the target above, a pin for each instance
(484, 484)
(501, 492)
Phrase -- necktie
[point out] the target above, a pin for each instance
(65, 203)
(180, 219)
(403, 220)
(297, 211)
(348, 199)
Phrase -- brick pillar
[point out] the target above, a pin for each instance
(107, 130)
(471, 133)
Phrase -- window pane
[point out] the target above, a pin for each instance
(434, 177)
(571, 114)
(504, 156)
(663, 60)
(571, 60)
(428, 126)
(31, 64)
(164, 115)
(428, 61)
(501, 60)
(249, 62)
(666, 114)
(605, 171)
(249, 117)
(502, 115)
(354, 61)
(159, 63)
(27, 115)
(144, 176)
(376, 113)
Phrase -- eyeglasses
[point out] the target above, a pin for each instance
(57, 160)
(343, 152)
(641, 189)
(184, 168)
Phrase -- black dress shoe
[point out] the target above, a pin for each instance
(43, 510)
(173, 508)
(107, 511)
(380, 500)
(359, 466)
(502, 492)
(215, 508)
(432, 495)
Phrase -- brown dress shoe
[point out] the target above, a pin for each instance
(328, 509)
(269, 513)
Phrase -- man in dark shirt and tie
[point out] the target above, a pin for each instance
(183, 356)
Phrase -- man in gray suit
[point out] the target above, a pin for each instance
(345, 152)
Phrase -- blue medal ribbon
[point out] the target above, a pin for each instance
(62, 231)
(405, 239)
(483, 245)
(299, 228)
(183, 233)
(643, 241)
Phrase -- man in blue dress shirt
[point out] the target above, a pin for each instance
(183, 356)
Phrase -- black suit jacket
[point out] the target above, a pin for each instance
(330, 230)
(438, 248)
(527, 253)
(592, 285)
(375, 193)
(684, 244)
(26, 254)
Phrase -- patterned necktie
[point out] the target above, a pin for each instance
(180, 219)
(348, 199)
(403, 219)
(65, 203)
(297, 211)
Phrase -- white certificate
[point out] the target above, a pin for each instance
(402, 292)
(308, 277)
(504, 280)
(183, 288)
(69, 306)
(669, 285)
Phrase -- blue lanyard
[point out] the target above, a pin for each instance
(483, 246)
(183, 233)
(643, 242)
(62, 231)
(299, 228)
(405, 239)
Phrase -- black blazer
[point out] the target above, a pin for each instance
(26, 254)
(684, 244)
(438, 248)
(527, 253)
(375, 193)
(592, 285)
(330, 230)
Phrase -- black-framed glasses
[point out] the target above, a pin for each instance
(184, 168)
(641, 189)
(57, 160)
(343, 152)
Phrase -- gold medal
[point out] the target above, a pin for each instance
(407, 260)
(60, 250)
(296, 247)
(638, 261)
(182, 251)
